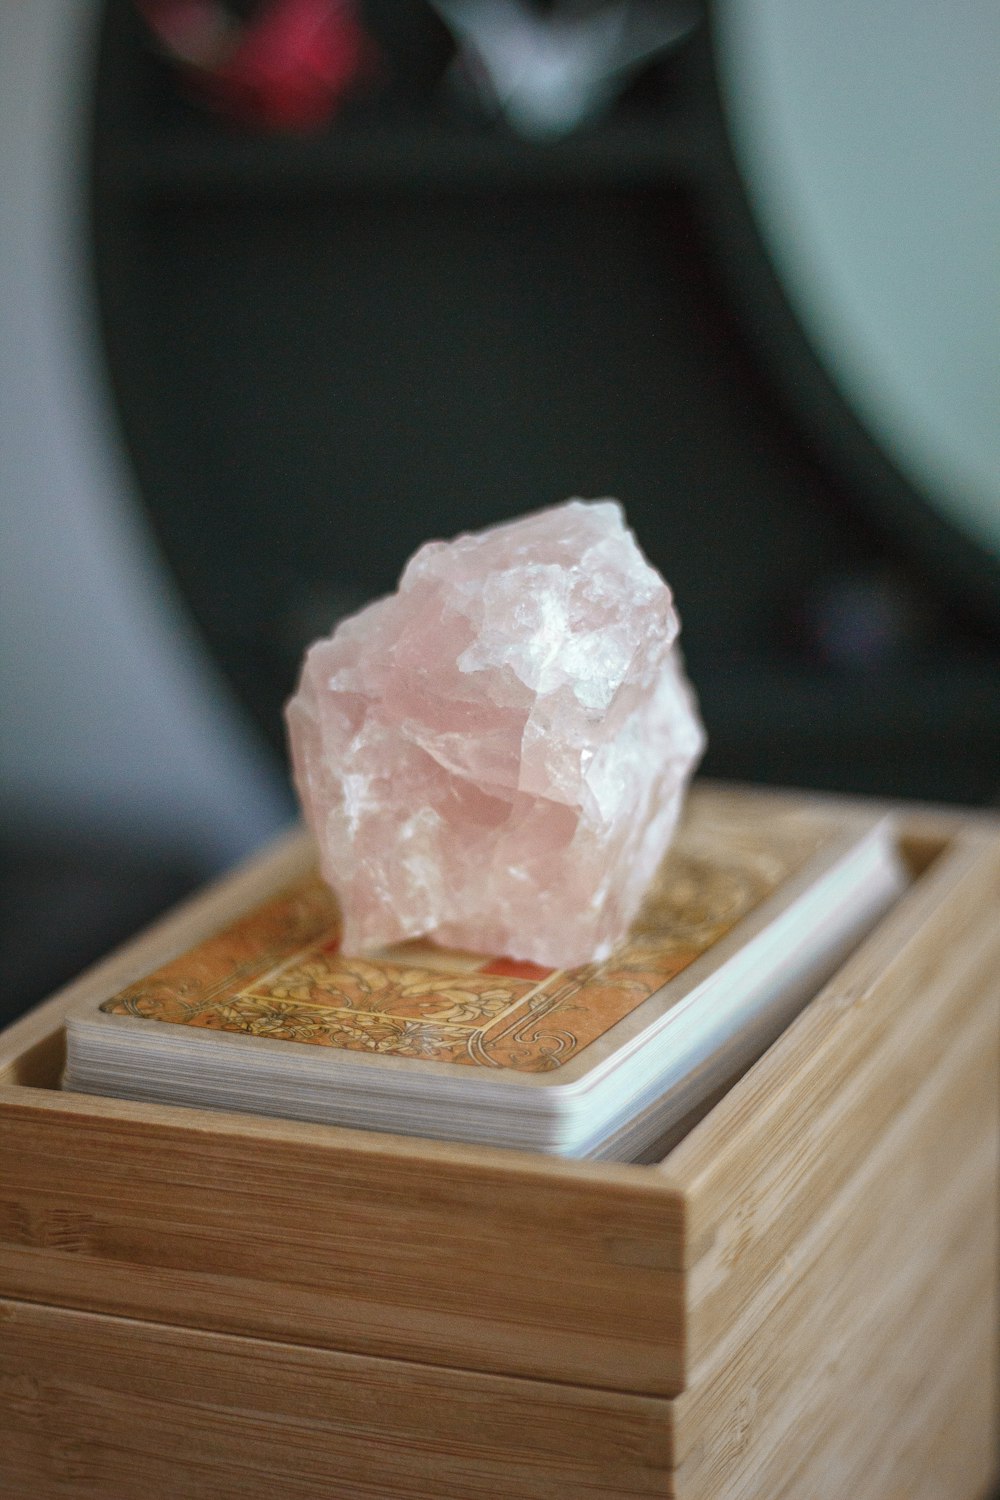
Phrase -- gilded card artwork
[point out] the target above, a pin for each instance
(279, 971)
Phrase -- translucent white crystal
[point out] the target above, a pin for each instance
(495, 756)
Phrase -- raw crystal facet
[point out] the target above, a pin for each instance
(495, 756)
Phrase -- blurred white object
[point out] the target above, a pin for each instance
(550, 72)
(113, 721)
(868, 137)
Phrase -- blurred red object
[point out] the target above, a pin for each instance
(288, 68)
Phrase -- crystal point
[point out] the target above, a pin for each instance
(495, 756)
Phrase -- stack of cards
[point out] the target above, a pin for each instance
(750, 913)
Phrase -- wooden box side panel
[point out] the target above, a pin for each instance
(99, 1407)
(844, 1201)
(778, 1148)
(867, 1313)
(376, 1245)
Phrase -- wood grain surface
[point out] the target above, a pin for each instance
(904, 1238)
(755, 1172)
(124, 1410)
(345, 1240)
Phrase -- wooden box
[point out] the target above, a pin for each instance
(798, 1301)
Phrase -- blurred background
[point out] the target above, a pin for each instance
(287, 287)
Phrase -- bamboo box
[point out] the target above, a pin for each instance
(798, 1302)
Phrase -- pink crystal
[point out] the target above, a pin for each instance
(495, 756)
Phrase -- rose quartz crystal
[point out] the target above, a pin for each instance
(495, 756)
